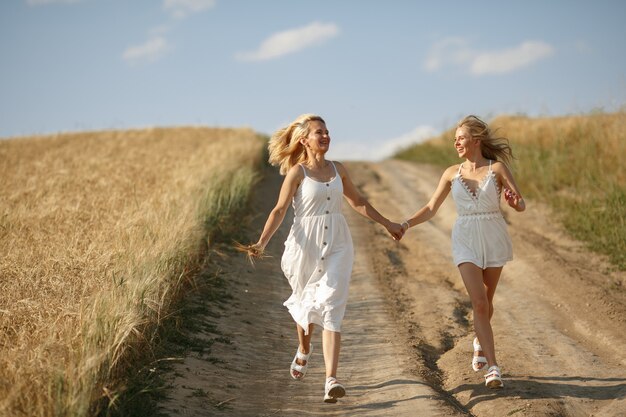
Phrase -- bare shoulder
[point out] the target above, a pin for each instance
(295, 174)
(495, 165)
(499, 168)
(450, 172)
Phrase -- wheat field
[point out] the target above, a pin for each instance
(572, 163)
(98, 234)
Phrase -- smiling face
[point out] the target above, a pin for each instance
(464, 143)
(318, 139)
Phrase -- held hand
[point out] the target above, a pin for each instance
(395, 230)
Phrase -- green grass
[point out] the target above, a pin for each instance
(571, 163)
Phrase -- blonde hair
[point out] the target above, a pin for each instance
(491, 146)
(285, 148)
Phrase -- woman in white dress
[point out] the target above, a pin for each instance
(318, 255)
(480, 242)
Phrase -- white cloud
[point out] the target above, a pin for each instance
(511, 59)
(290, 41)
(417, 135)
(183, 8)
(42, 2)
(457, 52)
(360, 151)
(150, 51)
(447, 51)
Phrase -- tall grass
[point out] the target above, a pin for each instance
(572, 163)
(98, 234)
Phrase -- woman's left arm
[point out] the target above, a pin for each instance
(511, 193)
(363, 207)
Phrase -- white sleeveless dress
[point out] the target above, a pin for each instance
(318, 255)
(480, 233)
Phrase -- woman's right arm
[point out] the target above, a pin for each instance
(276, 216)
(429, 210)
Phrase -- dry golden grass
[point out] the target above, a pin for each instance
(97, 233)
(576, 152)
(573, 163)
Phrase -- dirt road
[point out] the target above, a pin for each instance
(559, 323)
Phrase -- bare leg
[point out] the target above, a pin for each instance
(481, 305)
(305, 344)
(331, 342)
(491, 277)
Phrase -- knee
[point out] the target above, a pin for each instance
(481, 307)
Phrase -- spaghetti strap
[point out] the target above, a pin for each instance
(336, 172)
(490, 171)
(303, 169)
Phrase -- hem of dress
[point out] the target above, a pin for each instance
(328, 326)
(495, 264)
(331, 328)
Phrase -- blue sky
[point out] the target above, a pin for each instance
(382, 73)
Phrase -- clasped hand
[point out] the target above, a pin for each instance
(395, 230)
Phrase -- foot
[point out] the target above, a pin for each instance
(333, 390)
(493, 378)
(478, 360)
(300, 363)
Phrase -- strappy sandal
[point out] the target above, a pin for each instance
(477, 360)
(333, 390)
(493, 378)
(300, 368)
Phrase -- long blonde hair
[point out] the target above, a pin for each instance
(285, 148)
(491, 146)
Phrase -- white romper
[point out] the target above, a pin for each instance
(480, 233)
(318, 254)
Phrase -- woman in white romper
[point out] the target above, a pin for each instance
(480, 241)
(318, 255)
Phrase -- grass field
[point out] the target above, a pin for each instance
(572, 163)
(99, 234)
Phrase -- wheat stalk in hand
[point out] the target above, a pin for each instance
(252, 251)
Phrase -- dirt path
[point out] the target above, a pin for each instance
(559, 324)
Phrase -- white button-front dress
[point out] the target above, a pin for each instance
(318, 255)
(479, 234)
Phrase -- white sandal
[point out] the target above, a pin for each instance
(493, 378)
(333, 390)
(300, 368)
(477, 360)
